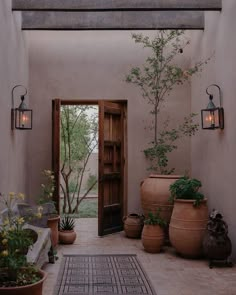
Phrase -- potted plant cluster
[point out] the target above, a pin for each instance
(67, 235)
(153, 232)
(17, 276)
(48, 204)
(156, 79)
(189, 218)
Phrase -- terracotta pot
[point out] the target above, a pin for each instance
(32, 289)
(155, 194)
(152, 238)
(187, 227)
(133, 225)
(53, 225)
(67, 236)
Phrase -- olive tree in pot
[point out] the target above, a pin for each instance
(67, 235)
(189, 218)
(153, 232)
(159, 75)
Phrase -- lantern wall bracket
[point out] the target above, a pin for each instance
(21, 117)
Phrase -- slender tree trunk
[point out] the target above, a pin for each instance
(76, 209)
(155, 125)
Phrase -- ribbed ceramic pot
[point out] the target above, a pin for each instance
(152, 238)
(187, 227)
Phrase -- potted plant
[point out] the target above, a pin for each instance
(49, 209)
(156, 79)
(189, 218)
(67, 235)
(153, 232)
(17, 276)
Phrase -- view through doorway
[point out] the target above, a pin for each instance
(79, 160)
(89, 160)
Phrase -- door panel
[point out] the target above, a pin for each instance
(111, 167)
(56, 107)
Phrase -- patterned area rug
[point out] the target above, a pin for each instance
(102, 275)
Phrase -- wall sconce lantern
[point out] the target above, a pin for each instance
(21, 117)
(212, 116)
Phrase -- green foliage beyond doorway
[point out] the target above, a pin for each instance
(79, 139)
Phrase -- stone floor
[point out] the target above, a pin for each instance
(169, 274)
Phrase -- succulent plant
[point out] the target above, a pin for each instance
(67, 223)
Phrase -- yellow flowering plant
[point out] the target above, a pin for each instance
(47, 188)
(15, 241)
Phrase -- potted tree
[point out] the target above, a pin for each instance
(17, 276)
(67, 235)
(153, 232)
(189, 218)
(156, 79)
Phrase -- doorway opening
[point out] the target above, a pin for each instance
(89, 160)
(79, 160)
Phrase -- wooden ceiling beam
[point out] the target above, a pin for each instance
(115, 5)
(119, 20)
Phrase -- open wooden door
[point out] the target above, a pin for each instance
(56, 106)
(112, 135)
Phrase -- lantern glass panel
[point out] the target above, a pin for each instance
(210, 118)
(23, 119)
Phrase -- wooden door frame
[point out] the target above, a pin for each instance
(124, 102)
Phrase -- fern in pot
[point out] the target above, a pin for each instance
(67, 235)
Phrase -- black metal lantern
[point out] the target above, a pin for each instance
(21, 117)
(212, 116)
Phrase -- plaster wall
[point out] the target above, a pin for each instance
(93, 65)
(13, 70)
(213, 152)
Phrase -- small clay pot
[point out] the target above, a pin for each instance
(133, 225)
(67, 236)
(152, 238)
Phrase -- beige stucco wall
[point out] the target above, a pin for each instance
(92, 65)
(13, 70)
(213, 152)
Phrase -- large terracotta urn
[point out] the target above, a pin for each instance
(187, 227)
(155, 195)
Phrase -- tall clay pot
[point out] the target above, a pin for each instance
(53, 225)
(152, 238)
(133, 225)
(187, 227)
(155, 194)
(32, 289)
